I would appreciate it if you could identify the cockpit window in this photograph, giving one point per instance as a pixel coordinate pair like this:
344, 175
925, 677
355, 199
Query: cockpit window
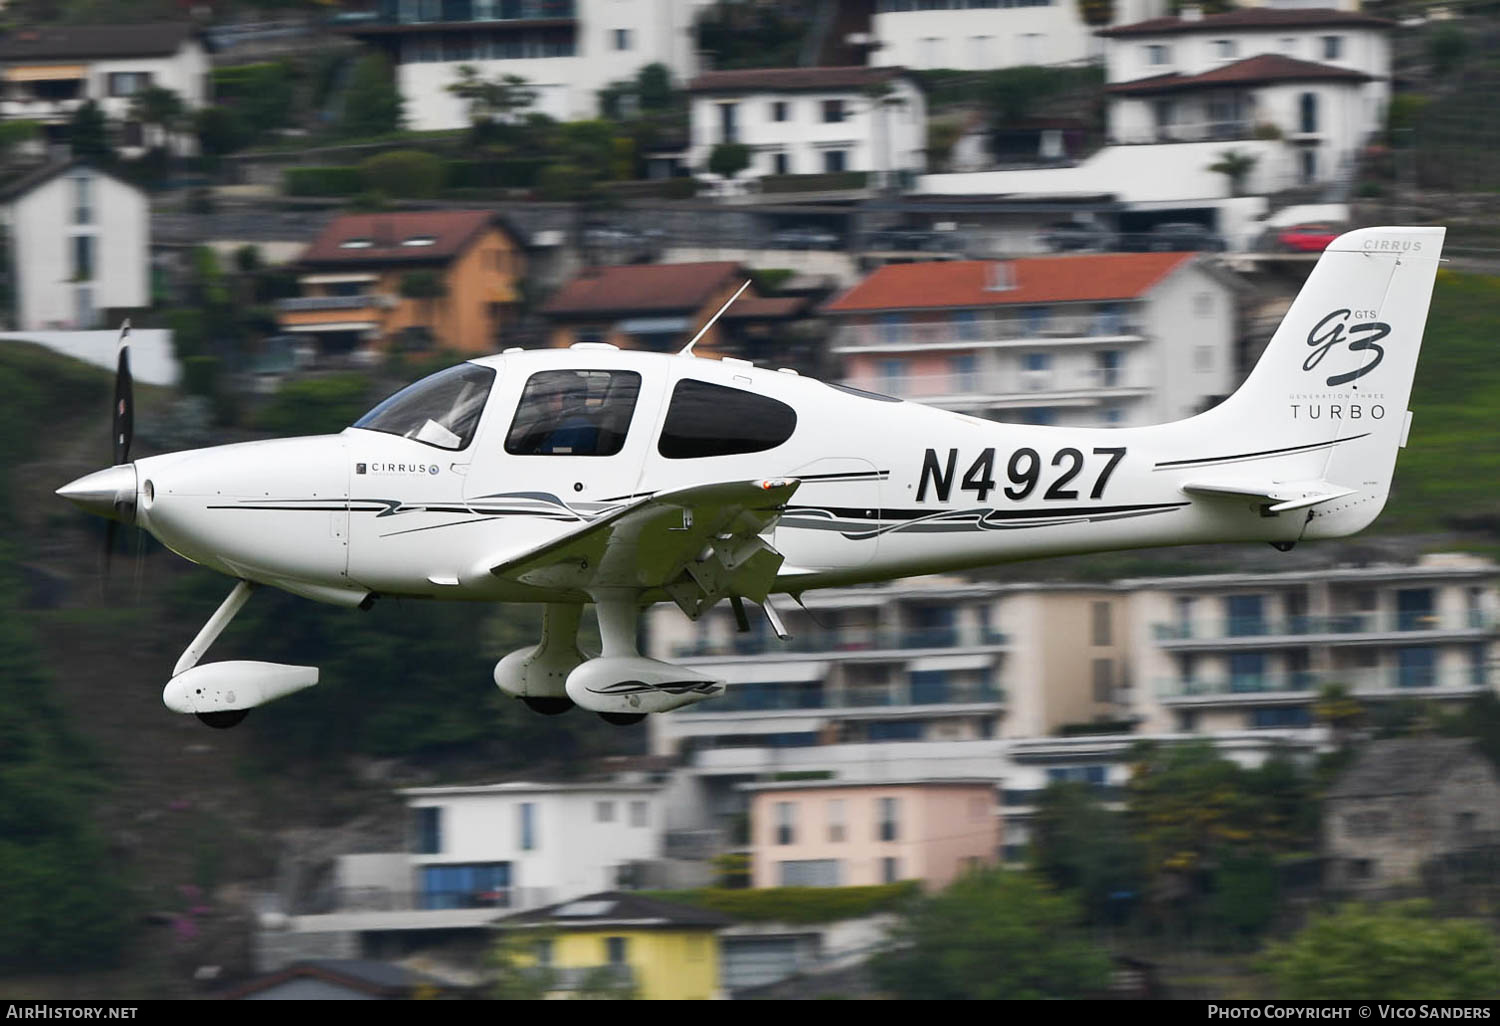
574, 413
442, 409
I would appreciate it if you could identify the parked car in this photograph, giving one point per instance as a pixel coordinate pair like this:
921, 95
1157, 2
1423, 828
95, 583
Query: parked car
1182, 235
1308, 238
1072, 236
805, 237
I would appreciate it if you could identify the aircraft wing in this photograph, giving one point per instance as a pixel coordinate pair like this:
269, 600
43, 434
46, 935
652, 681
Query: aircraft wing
699, 544
1280, 496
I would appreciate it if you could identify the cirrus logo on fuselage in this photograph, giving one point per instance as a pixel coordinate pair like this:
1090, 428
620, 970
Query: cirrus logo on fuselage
1363, 337
395, 468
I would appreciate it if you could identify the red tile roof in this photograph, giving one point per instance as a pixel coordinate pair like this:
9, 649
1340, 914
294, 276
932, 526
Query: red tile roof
787, 79
756, 308
959, 284
644, 288
450, 230
1251, 18
1267, 67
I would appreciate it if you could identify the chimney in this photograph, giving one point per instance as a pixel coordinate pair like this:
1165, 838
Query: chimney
1001, 277
1191, 12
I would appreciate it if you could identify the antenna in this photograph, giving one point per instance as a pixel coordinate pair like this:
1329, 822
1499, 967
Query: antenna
687, 350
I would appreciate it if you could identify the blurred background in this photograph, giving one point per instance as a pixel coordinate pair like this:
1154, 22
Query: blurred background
1218, 772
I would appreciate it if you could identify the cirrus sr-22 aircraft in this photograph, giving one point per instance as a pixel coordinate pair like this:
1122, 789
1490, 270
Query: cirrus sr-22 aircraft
622, 479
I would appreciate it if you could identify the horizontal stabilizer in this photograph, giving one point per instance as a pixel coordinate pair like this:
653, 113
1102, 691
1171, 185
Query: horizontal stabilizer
1280, 496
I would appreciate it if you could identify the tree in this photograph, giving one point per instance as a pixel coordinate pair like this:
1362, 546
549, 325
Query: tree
86, 134
514, 972
1446, 48
1079, 845
17, 133
372, 104
491, 101
728, 159
1394, 952
408, 174
992, 934
160, 107
1097, 13
1235, 166
221, 131
1339, 710
653, 87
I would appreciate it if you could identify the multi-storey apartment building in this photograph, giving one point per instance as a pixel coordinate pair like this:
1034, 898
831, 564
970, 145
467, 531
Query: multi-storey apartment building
1238, 651
811, 120
1099, 339
567, 50
1318, 78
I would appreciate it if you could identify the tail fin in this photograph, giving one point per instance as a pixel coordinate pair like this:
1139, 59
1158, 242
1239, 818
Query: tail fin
1327, 402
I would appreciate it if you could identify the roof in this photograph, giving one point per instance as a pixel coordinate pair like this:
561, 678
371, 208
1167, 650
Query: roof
961, 284
450, 230
618, 909
1251, 18
792, 79
1403, 766
643, 288
379, 979
1258, 70
152, 39
43, 174
748, 308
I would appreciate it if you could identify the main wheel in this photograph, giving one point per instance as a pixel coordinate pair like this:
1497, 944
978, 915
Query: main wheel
225, 719
622, 719
548, 706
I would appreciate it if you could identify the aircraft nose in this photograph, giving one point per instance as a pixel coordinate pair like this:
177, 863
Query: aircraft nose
105, 493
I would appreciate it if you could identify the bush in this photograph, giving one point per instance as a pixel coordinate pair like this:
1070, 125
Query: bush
322, 181
315, 406
407, 174
814, 183
797, 904
510, 173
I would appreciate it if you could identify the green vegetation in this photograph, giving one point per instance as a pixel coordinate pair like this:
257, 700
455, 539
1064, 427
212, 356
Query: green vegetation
322, 181
372, 103
1394, 952
992, 935
1445, 476
728, 159
404, 174
753, 35
795, 904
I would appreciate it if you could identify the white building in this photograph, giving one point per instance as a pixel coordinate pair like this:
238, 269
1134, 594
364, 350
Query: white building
79, 244
1317, 78
1107, 339
567, 50
50, 71
811, 120
981, 35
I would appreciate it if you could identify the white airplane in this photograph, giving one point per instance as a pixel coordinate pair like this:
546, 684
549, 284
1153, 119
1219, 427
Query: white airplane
622, 479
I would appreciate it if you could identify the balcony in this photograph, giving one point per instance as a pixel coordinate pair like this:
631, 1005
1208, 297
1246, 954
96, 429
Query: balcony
1258, 632
454, 12
362, 301
1019, 388
845, 639
985, 332
1195, 131
384, 899
1375, 682
32, 109
849, 701
593, 977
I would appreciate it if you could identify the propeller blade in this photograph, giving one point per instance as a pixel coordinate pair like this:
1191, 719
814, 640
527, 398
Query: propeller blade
124, 410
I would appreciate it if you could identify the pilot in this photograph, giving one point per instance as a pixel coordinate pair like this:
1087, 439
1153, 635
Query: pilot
573, 432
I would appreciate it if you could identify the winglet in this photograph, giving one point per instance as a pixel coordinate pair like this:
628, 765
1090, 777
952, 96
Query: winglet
687, 350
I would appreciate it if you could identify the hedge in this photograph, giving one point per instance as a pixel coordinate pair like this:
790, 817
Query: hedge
512, 173
796, 904
322, 181
814, 183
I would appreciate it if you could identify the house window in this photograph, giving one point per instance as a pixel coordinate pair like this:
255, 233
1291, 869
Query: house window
621, 39
1107, 363
528, 826
1036, 318
84, 314
964, 370
639, 814
890, 870
835, 161
1307, 107
780, 110
833, 111
1361, 869
83, 200
780, 165
616, 950
1416, 667
1223, 49
1333, 48
810, 873
1037, 363
604, 812
1101, 620
1246, 614
729, 130
1309, 158
543, 952
1104, 680
888, 828
836, 821
1158, 54
128, 83
83, 258
1247, 672
1273, 716
427, 830
786, 822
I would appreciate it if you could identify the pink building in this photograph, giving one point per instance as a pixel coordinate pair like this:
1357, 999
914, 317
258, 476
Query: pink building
829, 834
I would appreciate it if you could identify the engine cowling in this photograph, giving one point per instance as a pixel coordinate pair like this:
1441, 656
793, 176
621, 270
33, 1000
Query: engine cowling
630, 685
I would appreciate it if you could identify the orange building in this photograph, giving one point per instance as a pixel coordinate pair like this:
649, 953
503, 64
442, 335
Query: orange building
446, 279
858, 833
659, 307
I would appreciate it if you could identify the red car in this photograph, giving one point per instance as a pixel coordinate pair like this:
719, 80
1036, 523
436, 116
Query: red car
1309, 238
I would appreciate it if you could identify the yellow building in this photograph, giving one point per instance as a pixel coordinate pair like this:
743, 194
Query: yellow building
655, 949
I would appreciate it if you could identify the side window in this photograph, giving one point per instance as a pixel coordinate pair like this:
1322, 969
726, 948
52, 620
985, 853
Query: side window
712, 420
573, 413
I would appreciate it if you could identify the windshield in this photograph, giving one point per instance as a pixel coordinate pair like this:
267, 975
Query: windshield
441, 410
